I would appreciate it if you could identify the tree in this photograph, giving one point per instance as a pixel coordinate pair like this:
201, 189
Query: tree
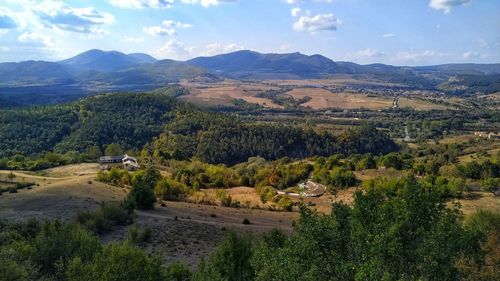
95, 152
148, 177
490, 184
406, 234
392, 160
230, 262
141, 196
113, 149
178, 272
367, 162
168, 189
117, 262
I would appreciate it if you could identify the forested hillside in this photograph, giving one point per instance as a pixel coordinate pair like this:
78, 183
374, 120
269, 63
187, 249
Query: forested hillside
174, 130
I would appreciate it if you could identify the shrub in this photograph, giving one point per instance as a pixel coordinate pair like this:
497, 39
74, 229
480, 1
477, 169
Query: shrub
138, 237
224, 198
168, 189
107, 216
267, 193
178, 272
285, 202
141, 196
117, 262
490, 184
231, 261
57, 243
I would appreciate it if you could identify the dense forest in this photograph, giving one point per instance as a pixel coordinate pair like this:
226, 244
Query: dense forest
164, 127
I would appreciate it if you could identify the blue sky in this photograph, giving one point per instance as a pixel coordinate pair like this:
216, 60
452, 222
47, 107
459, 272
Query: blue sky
400, 32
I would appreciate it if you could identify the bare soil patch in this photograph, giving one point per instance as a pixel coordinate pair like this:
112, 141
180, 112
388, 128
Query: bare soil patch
475, 201
56, 197
225, 92
420, 104
323, 99
370, 174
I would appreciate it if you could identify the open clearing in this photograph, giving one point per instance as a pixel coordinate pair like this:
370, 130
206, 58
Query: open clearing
479, 201
323, 99
181, 231
222, 93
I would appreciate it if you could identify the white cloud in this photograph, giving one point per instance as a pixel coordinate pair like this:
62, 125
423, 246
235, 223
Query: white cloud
141, 4
171, 23
218, 48
471, 55
388, 35
446, 5
369, 53
208, 3
286, 47
314, 24
295, 12
57, 14
298, 1
133, 39
168, 27
159, 31
164, 4
413, 56
7, 19
36, 39
174, 49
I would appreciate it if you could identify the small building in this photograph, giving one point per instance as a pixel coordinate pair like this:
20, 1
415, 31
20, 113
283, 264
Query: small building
123, 161
110, 160
130, 163
487, 135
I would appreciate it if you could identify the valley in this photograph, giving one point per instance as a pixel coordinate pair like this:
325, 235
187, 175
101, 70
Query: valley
224, 152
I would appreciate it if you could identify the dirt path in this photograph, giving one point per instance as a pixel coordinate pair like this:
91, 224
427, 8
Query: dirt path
185, 231
56, 197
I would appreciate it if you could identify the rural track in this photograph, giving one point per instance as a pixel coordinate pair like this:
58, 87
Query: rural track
222, 222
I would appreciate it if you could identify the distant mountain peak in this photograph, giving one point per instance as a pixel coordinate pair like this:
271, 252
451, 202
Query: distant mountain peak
143, 57
106, 61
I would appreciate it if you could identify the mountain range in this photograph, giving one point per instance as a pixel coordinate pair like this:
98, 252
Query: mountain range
98, 71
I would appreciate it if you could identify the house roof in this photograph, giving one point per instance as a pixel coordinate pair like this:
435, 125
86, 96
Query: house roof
110, 158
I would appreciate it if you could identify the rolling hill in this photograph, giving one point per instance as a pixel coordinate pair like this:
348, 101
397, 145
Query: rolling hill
102, 71
102, 61
249, 64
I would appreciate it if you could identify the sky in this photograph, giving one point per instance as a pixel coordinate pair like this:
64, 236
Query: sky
398, 32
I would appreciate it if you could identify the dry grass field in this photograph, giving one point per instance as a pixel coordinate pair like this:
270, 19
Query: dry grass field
60, 194
324, 99
249, 198
479, 201
420, 104
222, 93
378, 173
335, 80
181, 231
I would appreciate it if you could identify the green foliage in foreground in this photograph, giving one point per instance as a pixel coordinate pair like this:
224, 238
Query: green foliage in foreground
405, 233
110, 214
